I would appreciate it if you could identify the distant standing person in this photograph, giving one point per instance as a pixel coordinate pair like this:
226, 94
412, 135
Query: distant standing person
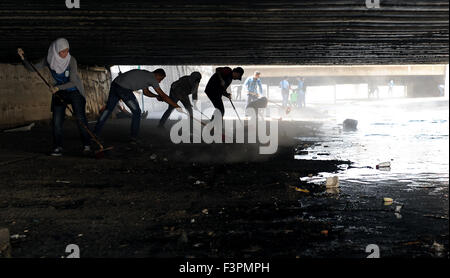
372, 90
301, 98
218, 84
285, 87
122, 88
391, 87
253, 86
68, 89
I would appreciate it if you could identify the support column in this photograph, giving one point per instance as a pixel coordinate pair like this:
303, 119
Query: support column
446, 82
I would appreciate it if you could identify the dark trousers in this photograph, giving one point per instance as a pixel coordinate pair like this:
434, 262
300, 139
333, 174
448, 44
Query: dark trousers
251, 98
59, 105
177, 95
117, 93
301, 101
216, 99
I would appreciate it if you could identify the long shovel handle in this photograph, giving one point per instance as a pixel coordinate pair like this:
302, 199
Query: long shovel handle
38, 73
232, 104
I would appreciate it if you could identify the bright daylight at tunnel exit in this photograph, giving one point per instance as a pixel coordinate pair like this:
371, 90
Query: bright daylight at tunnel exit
224, 137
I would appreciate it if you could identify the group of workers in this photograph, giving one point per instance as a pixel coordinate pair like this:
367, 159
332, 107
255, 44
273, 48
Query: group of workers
298, 96
68, 89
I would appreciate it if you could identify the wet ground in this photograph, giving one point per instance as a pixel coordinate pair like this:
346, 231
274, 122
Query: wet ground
198, 200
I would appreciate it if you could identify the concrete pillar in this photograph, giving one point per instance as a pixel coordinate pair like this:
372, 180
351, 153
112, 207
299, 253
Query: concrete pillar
446, 82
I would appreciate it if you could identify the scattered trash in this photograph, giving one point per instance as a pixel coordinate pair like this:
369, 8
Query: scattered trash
301, 190
199, 182
153, 156
438, 247
350, 125
205, 211
192, 220
384, 165
388, 201
411, 243
80, 235
17, 236
436, 216
398, 208
65, 182
398, 215
165, 159
253, 249
332, 182
22, 128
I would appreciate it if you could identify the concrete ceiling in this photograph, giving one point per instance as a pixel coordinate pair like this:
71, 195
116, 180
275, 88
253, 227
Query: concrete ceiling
108, 32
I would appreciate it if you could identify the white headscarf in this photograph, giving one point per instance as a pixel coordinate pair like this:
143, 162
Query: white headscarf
58, 64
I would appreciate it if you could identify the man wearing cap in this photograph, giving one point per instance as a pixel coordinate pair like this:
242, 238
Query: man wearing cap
218, 84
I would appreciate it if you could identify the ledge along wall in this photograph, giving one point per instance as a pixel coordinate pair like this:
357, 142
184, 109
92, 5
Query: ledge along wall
24, 98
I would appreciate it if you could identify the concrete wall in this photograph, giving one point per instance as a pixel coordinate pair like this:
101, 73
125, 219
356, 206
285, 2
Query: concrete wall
24, 98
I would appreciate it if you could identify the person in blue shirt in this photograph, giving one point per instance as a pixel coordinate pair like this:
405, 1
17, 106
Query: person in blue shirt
301, 99
285, 87
68, 89
391, 87
254, 87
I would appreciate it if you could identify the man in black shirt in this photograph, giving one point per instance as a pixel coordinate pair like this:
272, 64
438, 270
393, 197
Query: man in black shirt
218, 84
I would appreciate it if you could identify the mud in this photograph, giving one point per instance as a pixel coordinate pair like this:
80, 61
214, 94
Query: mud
196, 201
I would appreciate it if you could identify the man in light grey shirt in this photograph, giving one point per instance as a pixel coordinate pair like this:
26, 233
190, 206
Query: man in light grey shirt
122, 88
139, 79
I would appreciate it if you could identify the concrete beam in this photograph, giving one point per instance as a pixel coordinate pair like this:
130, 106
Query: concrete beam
330, 71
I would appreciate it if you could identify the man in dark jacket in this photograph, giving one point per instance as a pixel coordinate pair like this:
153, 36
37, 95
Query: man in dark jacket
218, 84
180, 91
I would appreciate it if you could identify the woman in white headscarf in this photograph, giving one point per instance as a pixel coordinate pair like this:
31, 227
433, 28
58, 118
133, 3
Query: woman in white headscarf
68, 86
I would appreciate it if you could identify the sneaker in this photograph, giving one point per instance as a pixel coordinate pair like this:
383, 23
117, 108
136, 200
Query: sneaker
57, 152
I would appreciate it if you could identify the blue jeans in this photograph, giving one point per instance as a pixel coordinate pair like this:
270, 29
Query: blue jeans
78, 103
117, 93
